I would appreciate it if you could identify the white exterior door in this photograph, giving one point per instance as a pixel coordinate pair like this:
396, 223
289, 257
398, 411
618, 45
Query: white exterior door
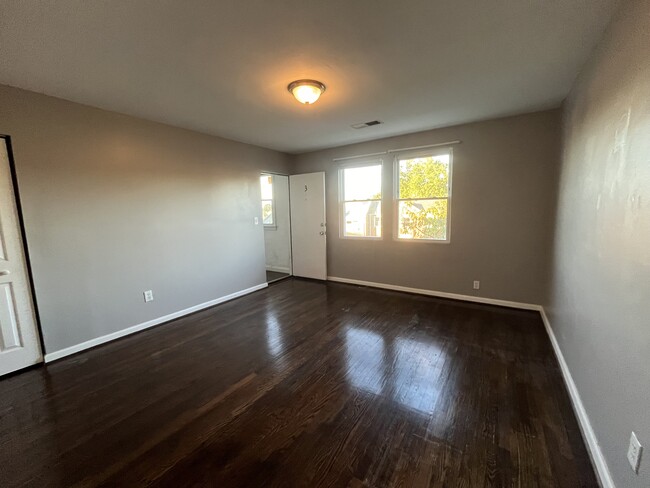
19, 342
308, 227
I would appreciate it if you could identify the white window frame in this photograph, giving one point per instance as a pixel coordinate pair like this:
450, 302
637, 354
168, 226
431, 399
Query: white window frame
342, 201
274, 225
396, 196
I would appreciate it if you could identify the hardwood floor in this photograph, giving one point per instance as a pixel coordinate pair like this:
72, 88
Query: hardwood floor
272, 276
303, 384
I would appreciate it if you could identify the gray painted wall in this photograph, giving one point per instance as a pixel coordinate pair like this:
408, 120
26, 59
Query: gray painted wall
115, 205
504, 179
600, 303
277, 241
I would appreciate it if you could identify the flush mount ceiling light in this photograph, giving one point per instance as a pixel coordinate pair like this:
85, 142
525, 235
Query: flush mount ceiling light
306, 91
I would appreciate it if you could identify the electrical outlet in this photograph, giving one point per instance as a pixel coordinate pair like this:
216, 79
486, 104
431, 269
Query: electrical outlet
634, 452
256, 221
477, 285
148, 296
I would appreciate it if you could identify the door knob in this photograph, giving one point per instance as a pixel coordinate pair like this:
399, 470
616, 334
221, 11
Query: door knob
322, 233
4, 272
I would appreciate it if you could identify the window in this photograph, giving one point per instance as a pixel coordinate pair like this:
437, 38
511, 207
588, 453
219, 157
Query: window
360, 196
268, 210
423, 195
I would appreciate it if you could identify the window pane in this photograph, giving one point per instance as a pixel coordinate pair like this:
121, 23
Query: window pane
267, 187
425, 177
423, 219
362, 219
363, 183
267, 212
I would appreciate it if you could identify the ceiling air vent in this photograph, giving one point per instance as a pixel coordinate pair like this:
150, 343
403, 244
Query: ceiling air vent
363, 125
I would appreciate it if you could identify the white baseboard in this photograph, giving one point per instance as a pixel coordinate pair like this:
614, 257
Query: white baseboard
278, 269
588, 434
145, 325
442, 294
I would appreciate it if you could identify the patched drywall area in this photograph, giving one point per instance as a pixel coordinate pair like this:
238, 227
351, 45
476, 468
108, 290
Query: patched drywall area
600, 288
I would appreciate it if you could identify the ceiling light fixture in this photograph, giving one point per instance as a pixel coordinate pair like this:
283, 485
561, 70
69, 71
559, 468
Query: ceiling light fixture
306, 91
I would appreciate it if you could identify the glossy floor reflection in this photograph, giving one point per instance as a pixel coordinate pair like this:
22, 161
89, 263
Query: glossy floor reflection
303, 384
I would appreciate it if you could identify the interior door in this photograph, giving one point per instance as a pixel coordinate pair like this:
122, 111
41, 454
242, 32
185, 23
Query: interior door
19, 342
308, 226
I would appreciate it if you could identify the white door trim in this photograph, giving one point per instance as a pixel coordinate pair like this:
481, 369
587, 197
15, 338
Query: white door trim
20, 341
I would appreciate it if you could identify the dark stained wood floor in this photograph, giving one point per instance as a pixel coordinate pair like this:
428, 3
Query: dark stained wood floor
272, 276
303, 384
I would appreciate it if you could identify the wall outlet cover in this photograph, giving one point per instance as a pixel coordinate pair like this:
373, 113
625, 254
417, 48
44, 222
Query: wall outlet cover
477, 285
148, 296
634, 452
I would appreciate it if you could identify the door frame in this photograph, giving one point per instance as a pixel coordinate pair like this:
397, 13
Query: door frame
277, 173
28, 262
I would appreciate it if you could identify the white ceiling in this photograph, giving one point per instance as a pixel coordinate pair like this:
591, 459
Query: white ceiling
222, 66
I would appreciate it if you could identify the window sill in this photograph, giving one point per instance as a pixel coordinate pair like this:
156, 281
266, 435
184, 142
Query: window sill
427, 241
355, 238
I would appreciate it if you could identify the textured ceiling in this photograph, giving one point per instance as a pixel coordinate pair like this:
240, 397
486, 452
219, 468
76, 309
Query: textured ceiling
222, 67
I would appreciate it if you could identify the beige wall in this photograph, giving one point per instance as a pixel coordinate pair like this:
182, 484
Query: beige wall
115, 205
600, 304
504, 178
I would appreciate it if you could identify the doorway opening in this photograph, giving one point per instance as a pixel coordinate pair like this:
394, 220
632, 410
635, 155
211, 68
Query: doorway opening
276, 219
